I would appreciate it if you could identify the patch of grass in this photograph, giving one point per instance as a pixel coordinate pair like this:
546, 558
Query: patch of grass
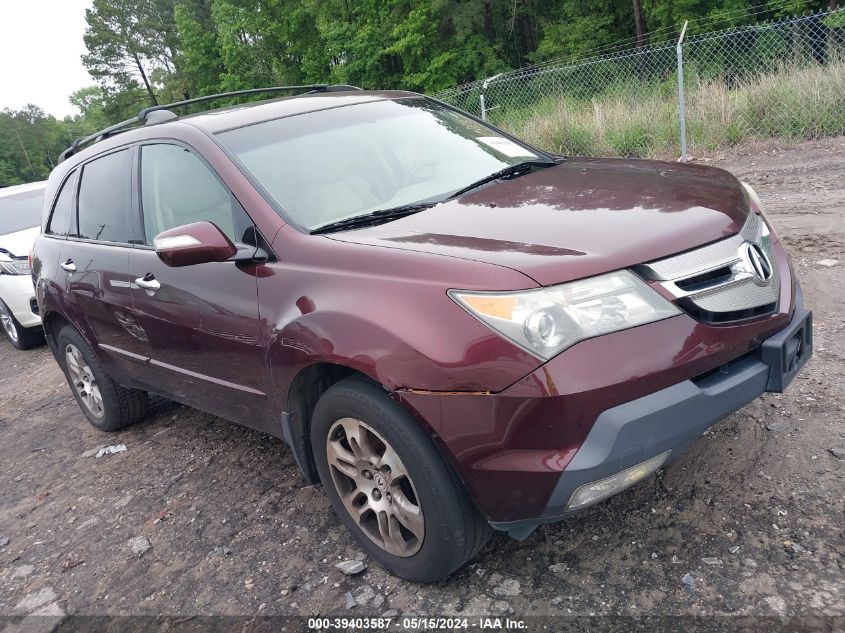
637, 120
573, 140
631, 140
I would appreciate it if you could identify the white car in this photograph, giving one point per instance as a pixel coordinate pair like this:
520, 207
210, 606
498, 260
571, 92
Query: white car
20, 223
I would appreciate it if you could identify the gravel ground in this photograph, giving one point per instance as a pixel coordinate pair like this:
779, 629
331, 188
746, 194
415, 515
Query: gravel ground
199, 516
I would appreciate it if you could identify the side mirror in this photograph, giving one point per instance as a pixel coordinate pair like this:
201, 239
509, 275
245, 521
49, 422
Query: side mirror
196, 243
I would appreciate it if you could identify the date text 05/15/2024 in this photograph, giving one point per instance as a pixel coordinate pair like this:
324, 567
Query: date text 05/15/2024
416, 623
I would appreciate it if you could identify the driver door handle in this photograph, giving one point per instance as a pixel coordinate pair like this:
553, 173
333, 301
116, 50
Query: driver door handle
69, 266
148, 282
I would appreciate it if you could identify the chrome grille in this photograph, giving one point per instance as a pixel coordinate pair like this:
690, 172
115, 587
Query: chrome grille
739, 296
715, 283
708, 257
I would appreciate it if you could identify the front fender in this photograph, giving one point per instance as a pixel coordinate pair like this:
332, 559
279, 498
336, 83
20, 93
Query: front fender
371, 348
385, 313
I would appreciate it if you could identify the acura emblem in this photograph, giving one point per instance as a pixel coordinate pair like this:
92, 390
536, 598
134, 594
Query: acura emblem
756, 262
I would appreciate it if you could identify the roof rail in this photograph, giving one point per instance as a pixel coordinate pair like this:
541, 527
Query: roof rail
147, 116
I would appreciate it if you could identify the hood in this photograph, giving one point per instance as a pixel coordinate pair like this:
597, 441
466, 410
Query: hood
581, 218
18, 244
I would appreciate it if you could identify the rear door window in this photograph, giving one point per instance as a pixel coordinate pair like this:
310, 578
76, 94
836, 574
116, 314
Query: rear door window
60, 218
104, 198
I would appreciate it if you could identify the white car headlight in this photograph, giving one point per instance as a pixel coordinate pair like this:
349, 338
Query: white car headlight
14, 267
752, 194
768, 234
545, 321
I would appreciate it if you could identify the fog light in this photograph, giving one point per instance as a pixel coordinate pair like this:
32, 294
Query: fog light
602, 489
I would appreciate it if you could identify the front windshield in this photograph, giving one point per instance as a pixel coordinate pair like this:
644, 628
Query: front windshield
334, 164
20, 211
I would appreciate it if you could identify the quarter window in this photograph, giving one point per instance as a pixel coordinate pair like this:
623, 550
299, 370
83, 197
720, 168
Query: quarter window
104, 198
177, 188
62, 211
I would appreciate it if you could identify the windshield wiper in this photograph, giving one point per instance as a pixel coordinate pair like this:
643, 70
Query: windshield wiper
511, 171
373, 217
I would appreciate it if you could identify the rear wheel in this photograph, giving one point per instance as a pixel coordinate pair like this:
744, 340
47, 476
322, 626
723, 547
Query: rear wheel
390, 486
107, 405
19, 336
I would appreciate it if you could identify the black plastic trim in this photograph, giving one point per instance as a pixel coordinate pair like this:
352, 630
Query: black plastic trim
294, 435
789, 350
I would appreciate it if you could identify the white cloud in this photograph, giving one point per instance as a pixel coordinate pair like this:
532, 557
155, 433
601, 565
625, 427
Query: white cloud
40, 48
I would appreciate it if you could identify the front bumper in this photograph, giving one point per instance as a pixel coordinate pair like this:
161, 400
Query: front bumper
670, 419
608, 403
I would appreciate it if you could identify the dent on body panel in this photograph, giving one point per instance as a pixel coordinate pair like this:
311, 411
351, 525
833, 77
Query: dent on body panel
298, 340
384, 312
197, 324
386, 356
45, 268
400, 334
98, 291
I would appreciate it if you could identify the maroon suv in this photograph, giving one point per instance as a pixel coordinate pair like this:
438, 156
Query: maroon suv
451, 329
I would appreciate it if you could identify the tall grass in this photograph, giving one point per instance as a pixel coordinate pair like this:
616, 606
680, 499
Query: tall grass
791, 103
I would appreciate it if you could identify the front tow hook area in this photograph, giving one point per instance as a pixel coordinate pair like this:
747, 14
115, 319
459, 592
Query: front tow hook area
789, 350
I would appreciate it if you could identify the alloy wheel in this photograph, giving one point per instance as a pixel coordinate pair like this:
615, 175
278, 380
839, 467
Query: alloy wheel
375, 487
83, 380
8, 324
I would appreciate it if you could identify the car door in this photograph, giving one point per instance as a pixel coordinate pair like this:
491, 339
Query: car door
199, 324
94, 259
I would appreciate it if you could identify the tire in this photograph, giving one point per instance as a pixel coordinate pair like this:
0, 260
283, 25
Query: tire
20, 337
117, 407
451, 527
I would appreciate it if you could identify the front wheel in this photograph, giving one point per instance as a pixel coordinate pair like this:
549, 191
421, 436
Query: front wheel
390, 486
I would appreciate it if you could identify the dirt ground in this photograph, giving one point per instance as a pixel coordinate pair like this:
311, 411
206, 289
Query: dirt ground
753, 517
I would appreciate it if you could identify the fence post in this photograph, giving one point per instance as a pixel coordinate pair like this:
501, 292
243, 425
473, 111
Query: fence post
682, 104
481, 100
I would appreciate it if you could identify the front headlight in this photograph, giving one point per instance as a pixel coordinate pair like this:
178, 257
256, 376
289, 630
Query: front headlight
15, 267
769, 234
752, 194
545, 321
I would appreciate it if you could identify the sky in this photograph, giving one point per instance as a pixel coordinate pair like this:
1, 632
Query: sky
40, 46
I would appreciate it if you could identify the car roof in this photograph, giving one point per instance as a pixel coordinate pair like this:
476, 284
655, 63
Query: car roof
226, 118
30, 186
231, 117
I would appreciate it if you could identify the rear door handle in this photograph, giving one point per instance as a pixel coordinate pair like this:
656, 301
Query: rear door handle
148, 282
69, 266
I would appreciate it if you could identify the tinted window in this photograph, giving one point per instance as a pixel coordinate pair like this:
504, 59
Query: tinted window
104, 197
62, 210
20, 211
177, 188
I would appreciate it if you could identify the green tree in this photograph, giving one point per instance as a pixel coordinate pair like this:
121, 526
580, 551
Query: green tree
30, 142
127, 40
199, 53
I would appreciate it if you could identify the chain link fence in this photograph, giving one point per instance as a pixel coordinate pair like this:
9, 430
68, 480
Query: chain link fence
783, 79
